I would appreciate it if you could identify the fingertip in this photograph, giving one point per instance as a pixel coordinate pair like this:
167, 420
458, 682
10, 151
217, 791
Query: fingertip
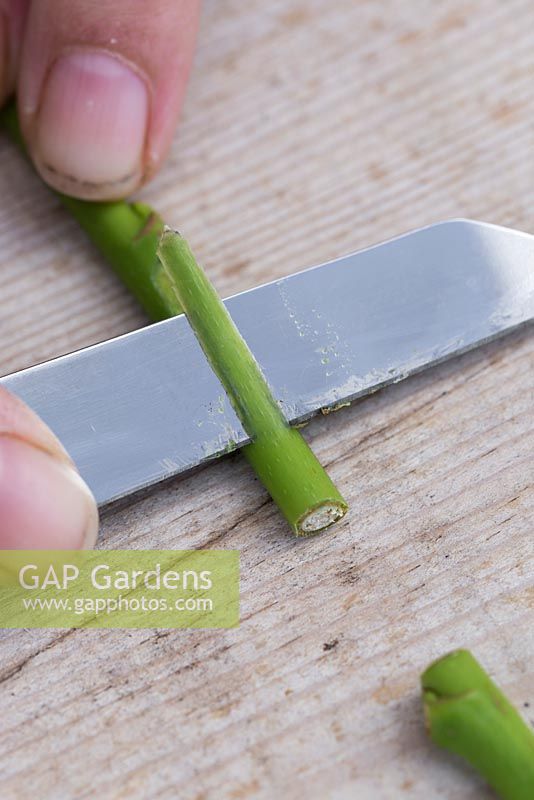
44, 503
99, 98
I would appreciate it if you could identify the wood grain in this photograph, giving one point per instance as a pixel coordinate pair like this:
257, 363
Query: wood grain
311, 129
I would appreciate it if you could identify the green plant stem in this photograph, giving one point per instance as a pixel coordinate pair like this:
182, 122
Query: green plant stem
127, 234
467, 713
283, 461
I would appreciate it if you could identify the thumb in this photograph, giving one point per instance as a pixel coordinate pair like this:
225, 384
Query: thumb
44, 503
100, 88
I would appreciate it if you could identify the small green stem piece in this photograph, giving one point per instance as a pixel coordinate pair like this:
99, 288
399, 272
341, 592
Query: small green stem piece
467, 713
283, 461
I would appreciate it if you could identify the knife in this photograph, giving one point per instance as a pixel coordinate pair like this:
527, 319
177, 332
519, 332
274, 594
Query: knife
143, 407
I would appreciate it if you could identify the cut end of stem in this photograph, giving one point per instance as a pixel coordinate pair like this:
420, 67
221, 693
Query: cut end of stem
466, 713
167, 233
453, 675
320, 518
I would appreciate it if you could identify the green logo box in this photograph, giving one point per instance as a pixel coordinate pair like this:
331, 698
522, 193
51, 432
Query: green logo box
119, 588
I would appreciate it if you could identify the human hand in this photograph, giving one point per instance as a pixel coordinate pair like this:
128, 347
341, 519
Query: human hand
99, 88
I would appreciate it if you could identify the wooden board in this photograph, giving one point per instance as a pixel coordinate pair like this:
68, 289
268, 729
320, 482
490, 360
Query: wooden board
311, 129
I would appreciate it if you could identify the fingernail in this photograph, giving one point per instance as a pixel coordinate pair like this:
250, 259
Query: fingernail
91, 126
44, 504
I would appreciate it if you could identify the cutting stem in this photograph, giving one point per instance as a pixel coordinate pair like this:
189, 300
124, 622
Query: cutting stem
283, 461
128, 234
466, 713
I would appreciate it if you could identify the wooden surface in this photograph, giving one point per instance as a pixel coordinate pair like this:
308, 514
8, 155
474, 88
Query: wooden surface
311, 129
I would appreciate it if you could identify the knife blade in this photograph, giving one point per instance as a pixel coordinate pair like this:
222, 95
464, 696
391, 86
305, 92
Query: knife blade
145, 406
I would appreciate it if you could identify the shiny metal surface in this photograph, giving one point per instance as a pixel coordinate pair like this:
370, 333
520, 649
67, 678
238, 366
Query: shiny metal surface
145, 406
